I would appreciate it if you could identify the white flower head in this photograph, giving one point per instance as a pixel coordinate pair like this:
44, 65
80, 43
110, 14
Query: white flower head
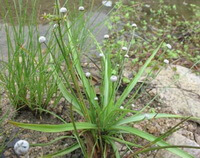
81, 8
96, 98
113, 78
124, 48
147, 5
169, 46
166, 61
101, 55
121, 107
21, 147
87, 74
133, 105
134, 25
126, 56
42, 39
107, 3
117, 65
63, 10
106, 36
55, 26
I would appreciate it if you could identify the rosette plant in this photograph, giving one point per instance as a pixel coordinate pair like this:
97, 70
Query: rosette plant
104, 122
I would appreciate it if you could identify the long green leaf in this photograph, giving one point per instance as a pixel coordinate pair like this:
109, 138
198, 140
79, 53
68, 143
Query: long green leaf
55, 128
63, 152
115, 149
68, 96
151, 138
135, 79
89, 90
149, 116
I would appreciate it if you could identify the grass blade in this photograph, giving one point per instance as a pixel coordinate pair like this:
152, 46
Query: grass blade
151, 138
135, 79
55, 128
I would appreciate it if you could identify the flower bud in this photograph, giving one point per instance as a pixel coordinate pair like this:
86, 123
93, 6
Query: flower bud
124, 48
106, 36
113, 78
166, 61
101, 55
63, 10
87, 74
134, 25
169, 46
126, 56
81, 8
42, 39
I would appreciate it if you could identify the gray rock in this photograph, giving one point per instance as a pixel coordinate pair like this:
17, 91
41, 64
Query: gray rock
178, 139
179, 89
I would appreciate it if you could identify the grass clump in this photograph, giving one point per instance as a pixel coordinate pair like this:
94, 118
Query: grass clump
26, 77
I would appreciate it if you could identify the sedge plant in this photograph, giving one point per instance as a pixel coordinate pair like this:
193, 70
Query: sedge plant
104, 117
25, 76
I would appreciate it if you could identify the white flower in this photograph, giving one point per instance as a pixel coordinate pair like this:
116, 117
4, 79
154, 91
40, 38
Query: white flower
133, 105
134, 25
21, 147
147, 5
81, 8
101, 55
117, 65
42, 39
166, 61
184, 3
121, 107
124, 48
169, 46
87, 74
107, 3
96, 98
63, 10
106, 36
113, 78
126, 56
55, 26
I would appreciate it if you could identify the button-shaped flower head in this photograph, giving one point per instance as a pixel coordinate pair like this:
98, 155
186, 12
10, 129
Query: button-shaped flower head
42, 39
21, 147
169, 46
106, 36
126, 56
87, 74
124, 48
63, 10
81, 8
134, 25
113, 78
166, 61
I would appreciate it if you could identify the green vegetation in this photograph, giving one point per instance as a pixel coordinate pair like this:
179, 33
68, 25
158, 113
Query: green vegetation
154, 24
39, 71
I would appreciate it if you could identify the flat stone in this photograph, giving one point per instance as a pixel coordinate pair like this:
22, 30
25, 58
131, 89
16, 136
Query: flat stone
179, 89
178, 139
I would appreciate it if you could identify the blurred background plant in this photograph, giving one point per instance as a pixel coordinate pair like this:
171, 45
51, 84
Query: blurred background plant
155, 22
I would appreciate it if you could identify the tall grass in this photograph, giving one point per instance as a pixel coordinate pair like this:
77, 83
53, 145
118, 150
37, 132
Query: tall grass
26, 77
